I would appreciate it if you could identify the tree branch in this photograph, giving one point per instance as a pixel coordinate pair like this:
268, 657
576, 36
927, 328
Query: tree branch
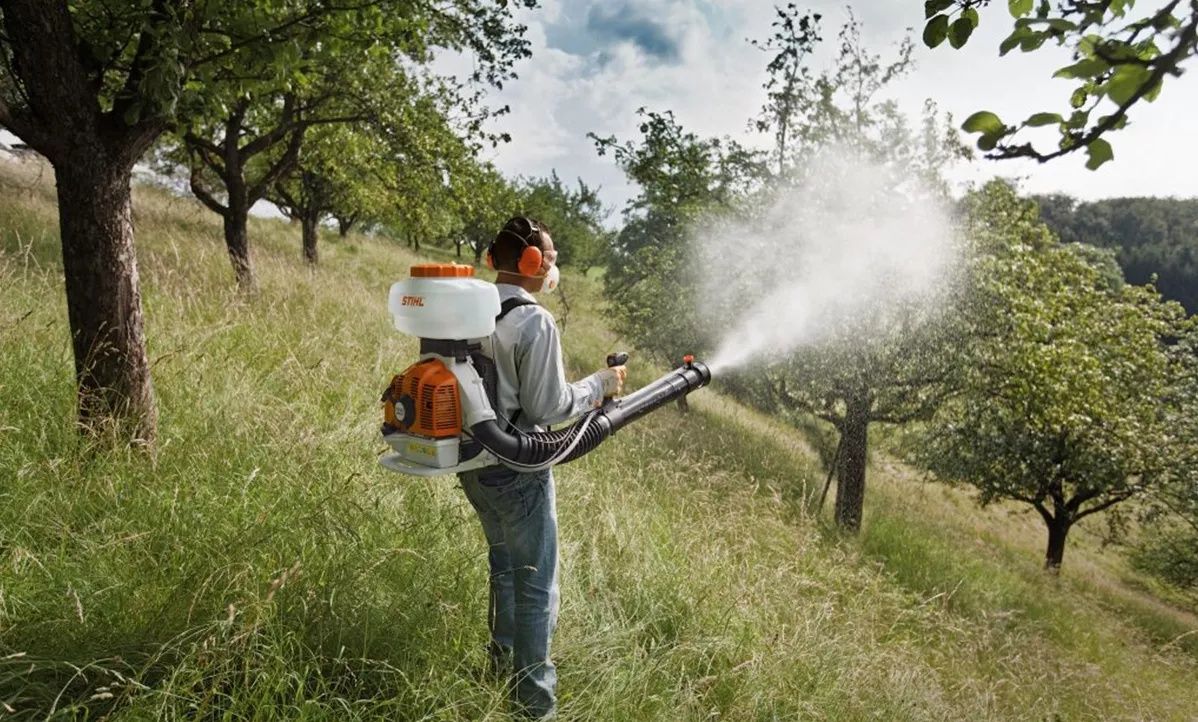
1163, 65
286, 202
279, 169
200, 192
147, 46
26, 131
201, 143
1104, 505
274, 33
896, 418
287, 123
208, 153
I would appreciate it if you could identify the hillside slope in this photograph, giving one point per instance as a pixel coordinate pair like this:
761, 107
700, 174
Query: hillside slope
261, 565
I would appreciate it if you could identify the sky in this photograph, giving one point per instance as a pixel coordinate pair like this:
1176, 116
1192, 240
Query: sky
595, 62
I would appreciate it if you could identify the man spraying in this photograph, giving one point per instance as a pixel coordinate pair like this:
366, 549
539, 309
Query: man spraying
517, 510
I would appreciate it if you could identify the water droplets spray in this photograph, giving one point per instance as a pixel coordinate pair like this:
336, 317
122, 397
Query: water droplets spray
848, 246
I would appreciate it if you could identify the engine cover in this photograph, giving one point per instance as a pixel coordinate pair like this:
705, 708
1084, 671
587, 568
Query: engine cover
423, 401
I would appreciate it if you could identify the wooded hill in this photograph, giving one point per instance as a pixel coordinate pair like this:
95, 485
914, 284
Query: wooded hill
1151, 237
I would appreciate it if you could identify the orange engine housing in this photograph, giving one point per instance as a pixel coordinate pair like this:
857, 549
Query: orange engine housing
423, 400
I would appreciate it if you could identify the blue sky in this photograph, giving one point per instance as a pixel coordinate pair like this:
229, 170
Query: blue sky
595, 62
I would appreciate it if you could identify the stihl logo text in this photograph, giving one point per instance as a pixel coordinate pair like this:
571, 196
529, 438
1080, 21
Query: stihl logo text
412, 301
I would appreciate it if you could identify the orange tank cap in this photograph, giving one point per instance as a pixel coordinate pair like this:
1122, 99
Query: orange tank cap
688, 359
442, 270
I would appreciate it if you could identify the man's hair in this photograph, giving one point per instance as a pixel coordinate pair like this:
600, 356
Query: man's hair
509, 242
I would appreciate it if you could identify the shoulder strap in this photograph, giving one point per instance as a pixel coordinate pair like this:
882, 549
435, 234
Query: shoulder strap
504, 309
511, 304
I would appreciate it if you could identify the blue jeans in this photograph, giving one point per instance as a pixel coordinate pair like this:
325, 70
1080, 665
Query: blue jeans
519, 518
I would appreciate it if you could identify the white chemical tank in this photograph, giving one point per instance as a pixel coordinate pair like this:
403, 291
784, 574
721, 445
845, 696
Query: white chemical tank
444, 301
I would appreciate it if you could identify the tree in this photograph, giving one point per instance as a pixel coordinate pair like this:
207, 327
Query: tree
788, 78
1064, 398
574, 215
890, 369
890, 363
1120, 59
91, 88
307, 196
486, 201
364, 66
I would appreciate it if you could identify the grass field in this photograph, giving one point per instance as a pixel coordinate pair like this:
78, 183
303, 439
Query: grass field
261, 565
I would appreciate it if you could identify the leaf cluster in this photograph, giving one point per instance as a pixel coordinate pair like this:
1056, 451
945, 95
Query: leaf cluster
1120, 58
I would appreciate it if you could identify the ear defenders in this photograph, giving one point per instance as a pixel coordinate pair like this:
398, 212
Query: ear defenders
530, 260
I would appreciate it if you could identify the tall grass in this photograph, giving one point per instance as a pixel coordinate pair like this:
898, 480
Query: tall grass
260, 565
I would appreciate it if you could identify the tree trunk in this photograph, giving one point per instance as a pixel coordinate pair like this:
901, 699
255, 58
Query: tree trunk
343, 226
237, 241
458, 248
237, 216
850, 484
1058, 531
95, 213
311, 223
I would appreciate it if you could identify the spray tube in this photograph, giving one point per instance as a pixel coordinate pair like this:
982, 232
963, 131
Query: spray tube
537, 450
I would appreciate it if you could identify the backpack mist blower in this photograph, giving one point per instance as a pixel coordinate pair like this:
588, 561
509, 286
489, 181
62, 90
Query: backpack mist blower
439, 414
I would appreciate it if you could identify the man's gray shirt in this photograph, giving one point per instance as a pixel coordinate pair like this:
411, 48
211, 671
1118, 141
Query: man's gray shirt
527, 351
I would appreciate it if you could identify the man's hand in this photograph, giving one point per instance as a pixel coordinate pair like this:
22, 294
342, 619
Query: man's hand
613, 380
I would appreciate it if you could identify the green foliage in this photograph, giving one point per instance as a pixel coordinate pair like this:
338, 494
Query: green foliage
681, 177
574, 215
1064, 398
363, 67
1153, 238
486, 200
1169, 555
983, 122
935, 31
1168, 547
1098, 151
1119, 60
150, 58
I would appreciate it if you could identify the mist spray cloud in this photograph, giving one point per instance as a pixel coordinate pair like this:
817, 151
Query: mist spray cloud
848, 246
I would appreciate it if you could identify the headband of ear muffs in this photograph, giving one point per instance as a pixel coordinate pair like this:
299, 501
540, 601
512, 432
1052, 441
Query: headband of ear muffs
530, 258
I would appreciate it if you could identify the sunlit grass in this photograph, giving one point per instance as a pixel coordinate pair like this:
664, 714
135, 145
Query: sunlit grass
260, 565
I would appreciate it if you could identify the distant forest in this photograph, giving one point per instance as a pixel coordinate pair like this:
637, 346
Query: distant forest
1149, 236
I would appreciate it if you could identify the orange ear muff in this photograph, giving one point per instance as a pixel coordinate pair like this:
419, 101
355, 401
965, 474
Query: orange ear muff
530, 261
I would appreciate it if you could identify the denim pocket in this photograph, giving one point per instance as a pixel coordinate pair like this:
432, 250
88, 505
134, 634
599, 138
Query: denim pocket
523, 496
497, 476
